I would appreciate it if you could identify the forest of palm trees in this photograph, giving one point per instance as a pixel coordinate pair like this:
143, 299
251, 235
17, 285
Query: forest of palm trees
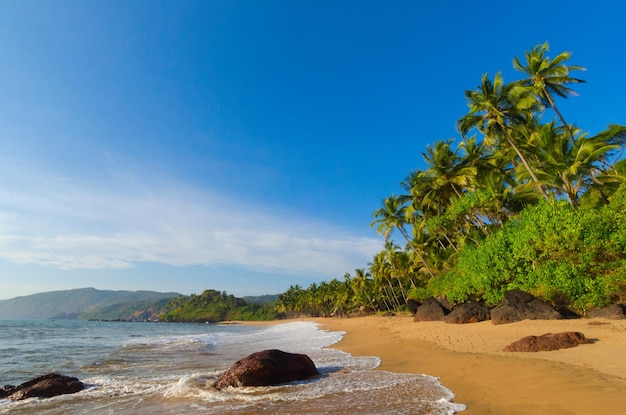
523, 199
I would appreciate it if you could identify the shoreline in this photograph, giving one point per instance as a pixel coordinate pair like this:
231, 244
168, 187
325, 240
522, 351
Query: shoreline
468, 360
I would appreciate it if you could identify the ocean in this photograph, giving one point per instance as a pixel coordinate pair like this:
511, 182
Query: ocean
168, 368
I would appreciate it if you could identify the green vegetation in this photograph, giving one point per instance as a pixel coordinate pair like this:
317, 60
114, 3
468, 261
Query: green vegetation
213, 306
518, 201
127, 311
92, 304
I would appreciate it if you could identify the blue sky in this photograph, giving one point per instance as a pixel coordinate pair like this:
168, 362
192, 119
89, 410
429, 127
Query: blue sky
243, 145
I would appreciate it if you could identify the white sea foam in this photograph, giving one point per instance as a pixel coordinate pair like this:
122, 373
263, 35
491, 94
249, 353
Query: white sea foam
345, 380
165, 369
208, 340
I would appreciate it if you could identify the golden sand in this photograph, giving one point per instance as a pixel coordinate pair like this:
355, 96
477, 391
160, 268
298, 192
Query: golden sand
468, 359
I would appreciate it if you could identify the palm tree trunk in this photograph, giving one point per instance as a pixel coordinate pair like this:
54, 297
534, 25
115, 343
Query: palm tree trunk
451, 244
402, 290
526, 165
558, 113
403, 232
395, 296
390, 297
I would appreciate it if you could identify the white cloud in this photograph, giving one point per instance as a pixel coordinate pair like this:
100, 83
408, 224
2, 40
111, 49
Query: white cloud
74, 223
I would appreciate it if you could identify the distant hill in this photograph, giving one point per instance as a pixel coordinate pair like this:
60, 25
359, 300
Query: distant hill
213, 306
81, 302
128, 311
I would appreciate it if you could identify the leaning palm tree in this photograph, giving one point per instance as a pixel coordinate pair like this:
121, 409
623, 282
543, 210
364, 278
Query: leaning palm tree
549, 77
610, 170
495, 108
380, 269
362, 286
393, 216
447, 176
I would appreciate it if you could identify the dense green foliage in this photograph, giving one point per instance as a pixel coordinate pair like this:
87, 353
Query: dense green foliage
519, 201
572, 257
213, 306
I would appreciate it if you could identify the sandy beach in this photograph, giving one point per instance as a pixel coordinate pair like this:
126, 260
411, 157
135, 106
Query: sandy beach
468, 359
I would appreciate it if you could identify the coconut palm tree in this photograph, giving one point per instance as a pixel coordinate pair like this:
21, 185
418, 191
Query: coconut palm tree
447, 176
393, 216
362, 286
549, 77
569, 168
381, 271
496, 108
399, 266
609, 169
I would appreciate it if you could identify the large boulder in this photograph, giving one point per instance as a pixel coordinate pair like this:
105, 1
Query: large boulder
519, 305
412, 305
362, 312
7, 390
471, 312
548, 342
445, 303
266, 368
45, 386
612, 312
430, 310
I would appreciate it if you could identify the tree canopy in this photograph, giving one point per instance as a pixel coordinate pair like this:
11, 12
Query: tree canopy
522, 199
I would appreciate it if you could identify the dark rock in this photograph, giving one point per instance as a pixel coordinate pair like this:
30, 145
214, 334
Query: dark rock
447, 305
612, 312
266, 368
471, 312
517, 296
430, 310
7, 390
548, 342
519, 305
412, 305
568, 314
362, 312
46, 386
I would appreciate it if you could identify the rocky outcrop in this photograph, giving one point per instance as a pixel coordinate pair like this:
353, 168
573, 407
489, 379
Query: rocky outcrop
266, 368
612, 312
471, 312
548, 342
430, 310
7, 390
519, 305
45, 386
362, 312
412, 305
445, 303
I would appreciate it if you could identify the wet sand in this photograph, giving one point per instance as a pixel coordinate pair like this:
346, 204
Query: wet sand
468, 359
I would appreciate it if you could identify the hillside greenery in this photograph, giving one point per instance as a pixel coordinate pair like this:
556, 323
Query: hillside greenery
127, 311
522, 199
213, 306
74, 303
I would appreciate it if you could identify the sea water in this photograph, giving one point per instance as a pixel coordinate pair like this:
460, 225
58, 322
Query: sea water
168, 368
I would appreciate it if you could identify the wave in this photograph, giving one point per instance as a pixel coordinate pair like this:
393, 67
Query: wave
172, 371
